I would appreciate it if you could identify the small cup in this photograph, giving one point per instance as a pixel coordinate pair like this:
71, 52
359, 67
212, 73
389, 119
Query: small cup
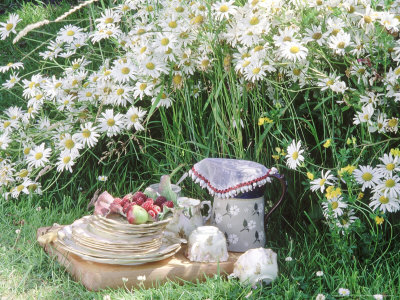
207, 244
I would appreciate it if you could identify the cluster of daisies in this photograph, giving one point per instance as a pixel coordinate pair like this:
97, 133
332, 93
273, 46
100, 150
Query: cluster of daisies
379, 186
159, 46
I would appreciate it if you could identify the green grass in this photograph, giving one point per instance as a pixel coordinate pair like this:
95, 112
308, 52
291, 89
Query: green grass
176, 138
26, 272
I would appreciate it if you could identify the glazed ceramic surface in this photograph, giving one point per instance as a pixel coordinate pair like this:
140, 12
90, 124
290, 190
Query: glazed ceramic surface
241, 221
207, 244
187, 217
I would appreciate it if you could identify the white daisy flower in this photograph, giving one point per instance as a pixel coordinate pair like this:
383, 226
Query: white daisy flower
164, 41
102, 178
11, 66
14, 113
66, 160
124, 70
38, 156
224, 9
320, 183
344, 292
12, 81
346, 219
121, 95
143, 88
390, 164
389, 186
339, 42
384, 203
111, 124
367, 176
288, 259
320, 297
134, 117
9, 26
315, 34
153, 66
69, 33
164, 101
365, 115
108, 18
4, 141
334, 206
88, 135
70, 144
294, 51
319, 273
21, 188
294, 157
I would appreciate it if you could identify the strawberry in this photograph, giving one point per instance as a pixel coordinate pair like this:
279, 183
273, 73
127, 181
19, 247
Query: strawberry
152, 214
139, 198
126, 207
148, 204
160, 200
156, 208
169, 204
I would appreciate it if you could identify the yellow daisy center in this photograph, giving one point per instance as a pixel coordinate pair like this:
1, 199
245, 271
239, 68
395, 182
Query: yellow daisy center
296, 72
69, 144
179, 9
110, 122
9, 26
20, 187
223, 8
390, 183
6, 124
245, 63
76, 66
341, 45
27, 150
367, 176
125, 70
383, 199
287, 39
134, 117
335, 204
172, 24
367, 19
164, 41
295, 155
23, 173
88, 94
177, 79
143, 86
322, 182
256, 71
317, 36
66, 159
70, 32
294, 49
120, 92
150, 66
392, 122
335, 32
390, 166
38, 155
58, 84
254, 21
108, 20
86, 133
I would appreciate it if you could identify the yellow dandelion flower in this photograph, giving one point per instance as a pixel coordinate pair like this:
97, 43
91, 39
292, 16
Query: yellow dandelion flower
328, 143
379, 220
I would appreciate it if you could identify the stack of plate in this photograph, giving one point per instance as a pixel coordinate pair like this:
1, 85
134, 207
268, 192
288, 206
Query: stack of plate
115, 241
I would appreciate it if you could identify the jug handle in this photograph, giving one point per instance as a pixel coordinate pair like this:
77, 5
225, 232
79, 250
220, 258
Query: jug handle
205, 218
283, 182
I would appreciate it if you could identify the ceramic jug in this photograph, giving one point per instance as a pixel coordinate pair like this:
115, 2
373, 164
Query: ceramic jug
243, 219
187, 217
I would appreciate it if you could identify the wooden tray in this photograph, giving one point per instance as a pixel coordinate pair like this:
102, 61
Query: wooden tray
96, 276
